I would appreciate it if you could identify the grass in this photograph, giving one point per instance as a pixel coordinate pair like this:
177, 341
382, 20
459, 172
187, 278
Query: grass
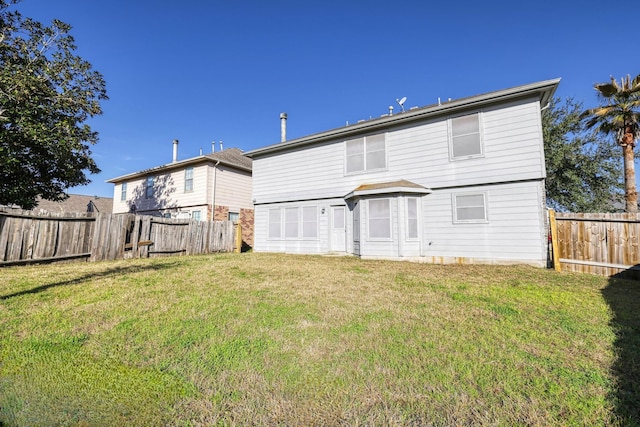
272, 339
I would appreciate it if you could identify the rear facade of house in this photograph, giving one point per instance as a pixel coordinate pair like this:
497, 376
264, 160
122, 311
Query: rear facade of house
461, 181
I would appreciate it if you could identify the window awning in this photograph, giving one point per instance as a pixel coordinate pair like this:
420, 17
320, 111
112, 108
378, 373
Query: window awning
392, 187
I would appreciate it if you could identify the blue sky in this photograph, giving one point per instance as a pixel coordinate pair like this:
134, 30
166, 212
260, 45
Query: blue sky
202, 71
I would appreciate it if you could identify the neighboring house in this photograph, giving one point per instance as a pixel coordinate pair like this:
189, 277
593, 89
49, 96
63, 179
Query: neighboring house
215, 186
75, 203
460, 181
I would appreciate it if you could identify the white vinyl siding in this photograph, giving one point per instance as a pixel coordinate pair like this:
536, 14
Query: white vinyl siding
188, 179
379, 224
412, 218
469, 207
123, 192
366, 154
515, 232
466, 138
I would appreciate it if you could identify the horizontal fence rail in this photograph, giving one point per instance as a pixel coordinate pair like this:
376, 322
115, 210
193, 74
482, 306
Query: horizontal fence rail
598, 243
27, 238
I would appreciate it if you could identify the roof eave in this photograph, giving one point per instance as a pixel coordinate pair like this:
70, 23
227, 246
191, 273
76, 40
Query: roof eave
176, 165
545, 90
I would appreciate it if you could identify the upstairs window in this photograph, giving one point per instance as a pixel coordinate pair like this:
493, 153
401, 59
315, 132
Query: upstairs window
188, 179
148, 190
366, 154
465, 141
123, 192
470, 208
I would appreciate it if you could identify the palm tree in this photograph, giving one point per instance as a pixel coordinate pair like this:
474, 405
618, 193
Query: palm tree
620, 116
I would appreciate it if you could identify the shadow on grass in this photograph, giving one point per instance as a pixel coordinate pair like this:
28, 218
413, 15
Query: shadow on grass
623, 296
95, 275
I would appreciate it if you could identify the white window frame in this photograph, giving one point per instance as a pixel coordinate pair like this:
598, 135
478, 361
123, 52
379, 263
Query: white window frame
416, 219
454, 204
188, 179
196, 215
480, 132
370, 218
123, 192
364, 154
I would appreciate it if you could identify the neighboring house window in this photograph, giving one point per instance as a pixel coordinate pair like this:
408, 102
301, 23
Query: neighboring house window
379, 219
148, 191
123, 192
234, 216
470, 207
275, 224
188, 179
466, 141
195, 215
291, 223
412, 218
309, 222
366, 154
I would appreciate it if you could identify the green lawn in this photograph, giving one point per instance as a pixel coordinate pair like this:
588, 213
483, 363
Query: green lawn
272, 339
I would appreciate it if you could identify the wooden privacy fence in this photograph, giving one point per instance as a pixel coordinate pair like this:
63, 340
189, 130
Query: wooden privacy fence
597, 243
27, 238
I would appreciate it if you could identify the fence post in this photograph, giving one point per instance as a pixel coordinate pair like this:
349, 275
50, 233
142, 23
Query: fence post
554, 239
238, 239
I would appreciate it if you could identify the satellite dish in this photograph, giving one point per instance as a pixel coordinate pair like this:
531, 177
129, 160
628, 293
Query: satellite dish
401, 102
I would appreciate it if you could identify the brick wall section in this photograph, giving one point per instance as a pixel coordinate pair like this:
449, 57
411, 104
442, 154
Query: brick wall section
246, 221
221, 213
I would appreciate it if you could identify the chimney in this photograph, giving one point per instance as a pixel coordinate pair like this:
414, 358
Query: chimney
221, 147
283, 127
213, 146
175, 150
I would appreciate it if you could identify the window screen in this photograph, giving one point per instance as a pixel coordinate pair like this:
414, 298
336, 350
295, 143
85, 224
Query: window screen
188, 179
470, 207
355, 155
379, 219
123, 192
375, 152
195, 215
412, 218
233, 216
291, 223
148, 192
465, 136
309, 222
275, 227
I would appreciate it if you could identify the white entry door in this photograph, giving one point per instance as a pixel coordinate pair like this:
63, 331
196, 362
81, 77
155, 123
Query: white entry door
338, 229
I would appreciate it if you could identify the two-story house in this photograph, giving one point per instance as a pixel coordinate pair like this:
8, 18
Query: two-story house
459, 181
214, 186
